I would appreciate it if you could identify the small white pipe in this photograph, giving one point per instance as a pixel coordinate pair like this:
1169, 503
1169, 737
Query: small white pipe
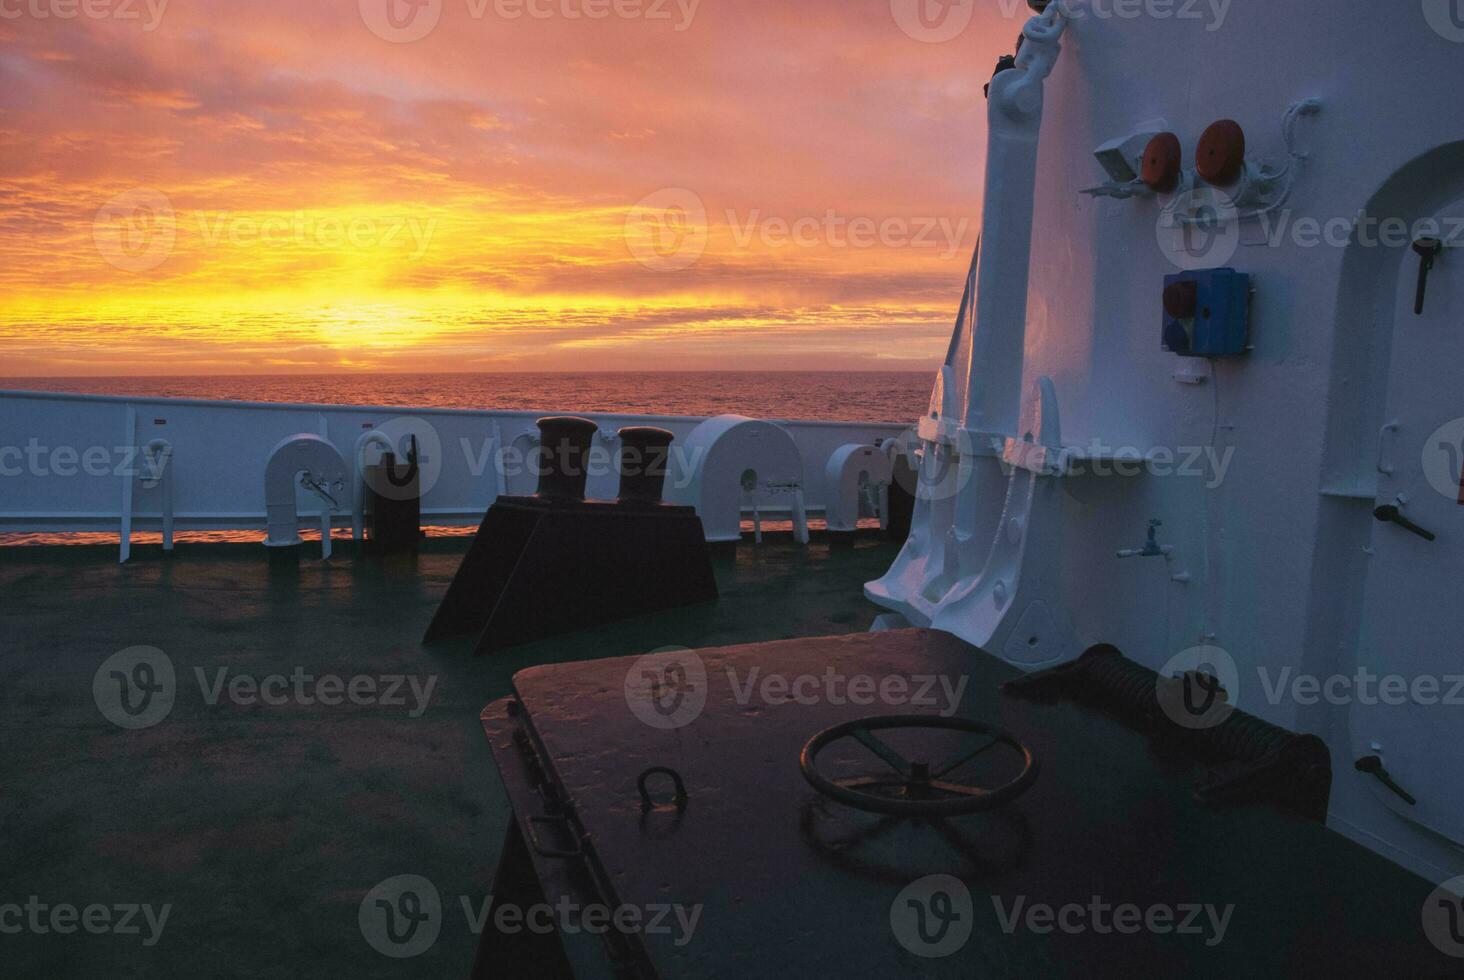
129, 438
375, 437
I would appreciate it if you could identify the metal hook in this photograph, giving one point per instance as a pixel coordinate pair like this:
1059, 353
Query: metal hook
645, 794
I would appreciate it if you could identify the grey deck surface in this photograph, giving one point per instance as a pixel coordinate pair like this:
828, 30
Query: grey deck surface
263, 827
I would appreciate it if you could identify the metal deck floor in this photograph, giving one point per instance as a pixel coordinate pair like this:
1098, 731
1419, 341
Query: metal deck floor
264, 826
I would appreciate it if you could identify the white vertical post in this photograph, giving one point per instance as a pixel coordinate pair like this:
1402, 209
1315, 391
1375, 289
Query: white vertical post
168, 509
800, 517
500, 463
129, 439
160, 460
322, 425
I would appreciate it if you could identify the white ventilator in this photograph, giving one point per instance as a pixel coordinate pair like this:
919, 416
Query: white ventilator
312, 464
732, 464
857, 483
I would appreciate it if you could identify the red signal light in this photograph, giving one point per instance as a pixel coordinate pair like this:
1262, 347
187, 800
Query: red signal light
1163, 159
1220, 155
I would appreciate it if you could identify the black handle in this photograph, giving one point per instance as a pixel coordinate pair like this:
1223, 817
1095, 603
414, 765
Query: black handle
1427, 249
1389, 513
1373, 765
645, 793
388, 462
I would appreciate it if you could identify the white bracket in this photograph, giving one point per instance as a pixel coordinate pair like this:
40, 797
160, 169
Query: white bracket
155, 472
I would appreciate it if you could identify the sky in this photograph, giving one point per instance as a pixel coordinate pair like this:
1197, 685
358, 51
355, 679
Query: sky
304, 186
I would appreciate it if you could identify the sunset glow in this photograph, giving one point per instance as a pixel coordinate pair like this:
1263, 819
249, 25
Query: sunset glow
208, 187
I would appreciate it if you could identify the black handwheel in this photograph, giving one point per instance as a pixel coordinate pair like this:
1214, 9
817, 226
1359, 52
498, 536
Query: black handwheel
919, 789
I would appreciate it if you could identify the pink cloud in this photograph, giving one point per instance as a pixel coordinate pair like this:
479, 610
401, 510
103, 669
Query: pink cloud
548, 128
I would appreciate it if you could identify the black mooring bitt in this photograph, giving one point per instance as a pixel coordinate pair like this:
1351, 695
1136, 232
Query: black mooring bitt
393, 505
564, 449
644, 455
553, 563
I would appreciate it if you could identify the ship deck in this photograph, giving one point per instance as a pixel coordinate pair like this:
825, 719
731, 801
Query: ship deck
263, 826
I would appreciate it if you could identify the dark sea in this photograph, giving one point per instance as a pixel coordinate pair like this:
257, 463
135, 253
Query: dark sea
841, 396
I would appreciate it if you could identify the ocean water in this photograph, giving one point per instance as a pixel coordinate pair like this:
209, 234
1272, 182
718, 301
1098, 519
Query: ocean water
865, 396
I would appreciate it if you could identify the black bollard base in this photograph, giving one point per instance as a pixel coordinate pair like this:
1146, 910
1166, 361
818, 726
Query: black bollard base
539, 568
393, 508
285, 558
902, 500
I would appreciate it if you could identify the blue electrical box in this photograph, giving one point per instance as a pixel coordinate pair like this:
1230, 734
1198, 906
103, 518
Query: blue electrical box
1207, 313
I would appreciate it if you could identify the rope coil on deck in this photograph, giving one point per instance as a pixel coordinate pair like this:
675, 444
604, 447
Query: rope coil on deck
1250, 756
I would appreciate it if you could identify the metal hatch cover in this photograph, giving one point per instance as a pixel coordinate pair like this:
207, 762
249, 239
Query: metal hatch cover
791, 883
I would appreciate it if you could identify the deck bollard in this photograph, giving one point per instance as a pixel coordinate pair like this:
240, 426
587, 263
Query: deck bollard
644, 454
555, 562
564, 447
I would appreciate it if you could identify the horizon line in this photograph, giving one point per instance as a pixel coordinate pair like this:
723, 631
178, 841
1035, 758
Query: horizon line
382, 374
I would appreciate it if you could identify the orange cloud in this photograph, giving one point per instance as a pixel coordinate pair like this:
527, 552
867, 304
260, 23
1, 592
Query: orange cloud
275, 186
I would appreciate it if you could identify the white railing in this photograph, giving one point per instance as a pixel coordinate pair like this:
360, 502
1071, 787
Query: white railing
72, 462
